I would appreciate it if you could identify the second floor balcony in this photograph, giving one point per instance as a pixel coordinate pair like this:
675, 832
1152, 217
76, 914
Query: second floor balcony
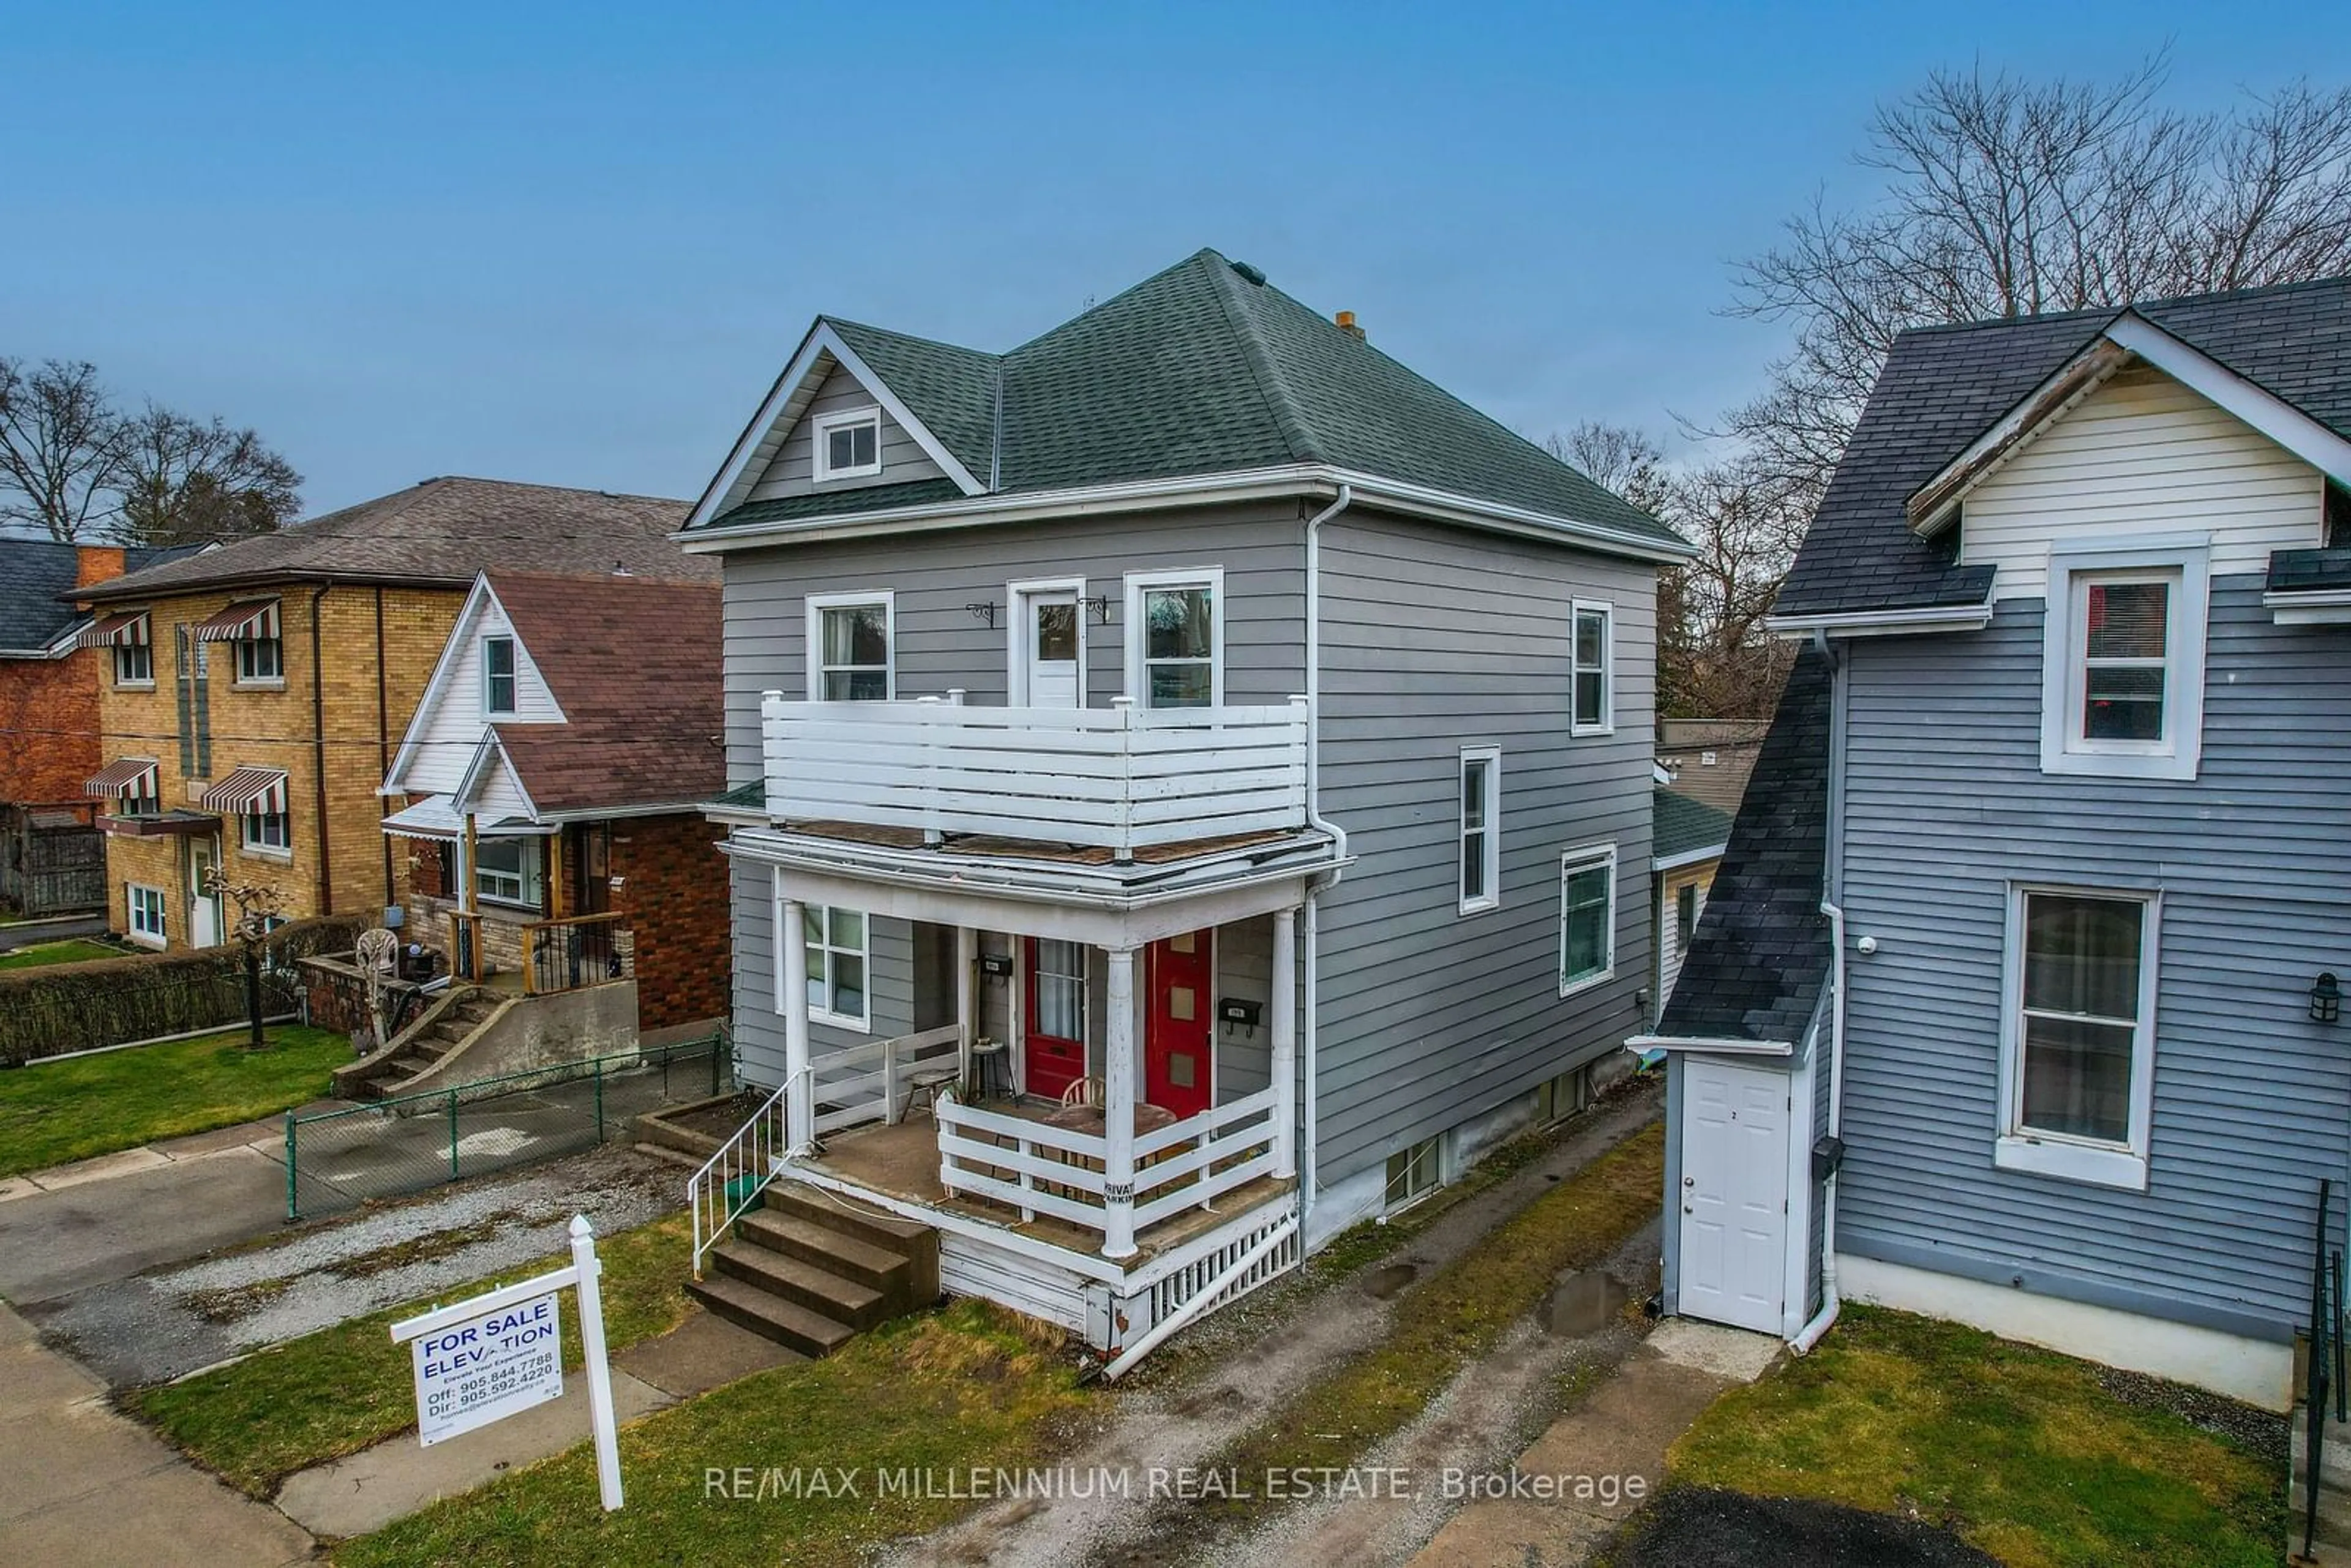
1123, 778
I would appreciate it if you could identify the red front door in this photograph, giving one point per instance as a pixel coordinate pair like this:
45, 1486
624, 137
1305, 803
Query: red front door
1054, 1044
1177, 1036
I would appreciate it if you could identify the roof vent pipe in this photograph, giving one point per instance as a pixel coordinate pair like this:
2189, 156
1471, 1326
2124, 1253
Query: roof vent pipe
1347, 325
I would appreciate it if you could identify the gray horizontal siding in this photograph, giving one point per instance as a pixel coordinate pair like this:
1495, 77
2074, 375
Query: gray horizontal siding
942, 644
792, 471
760, 1028
1945, 804
1433, 640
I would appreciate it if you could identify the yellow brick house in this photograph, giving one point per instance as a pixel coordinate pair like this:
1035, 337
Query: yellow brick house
264, 686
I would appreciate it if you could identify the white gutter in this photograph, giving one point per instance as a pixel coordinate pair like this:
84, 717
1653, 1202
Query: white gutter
1689, 857
1917, 621
1310, 1037
1717, 1045
1833, 879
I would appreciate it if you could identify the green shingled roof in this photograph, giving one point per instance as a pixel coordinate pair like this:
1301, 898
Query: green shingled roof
1678, 824
1206, 369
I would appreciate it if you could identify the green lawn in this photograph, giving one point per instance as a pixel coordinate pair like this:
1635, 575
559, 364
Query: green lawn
936, 1394
337, 1391
2022, 1452
73, 950
53, 1112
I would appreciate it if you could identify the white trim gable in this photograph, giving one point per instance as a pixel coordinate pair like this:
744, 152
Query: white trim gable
491, 788
456, 680
788, 401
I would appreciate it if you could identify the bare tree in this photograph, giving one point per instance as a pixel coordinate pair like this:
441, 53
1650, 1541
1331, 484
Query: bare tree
2005, 197
1626, 460
185, 482
60, 448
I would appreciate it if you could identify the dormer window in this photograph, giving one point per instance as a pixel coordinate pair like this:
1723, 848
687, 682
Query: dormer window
849, 445
498, 676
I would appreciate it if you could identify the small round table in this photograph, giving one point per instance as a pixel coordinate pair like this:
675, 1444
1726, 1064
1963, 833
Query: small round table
991, 1070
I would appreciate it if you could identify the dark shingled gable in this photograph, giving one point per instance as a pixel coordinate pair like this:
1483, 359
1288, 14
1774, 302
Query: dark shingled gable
1761, 954
1205, 369
37, 587
1678, 824
1944, 386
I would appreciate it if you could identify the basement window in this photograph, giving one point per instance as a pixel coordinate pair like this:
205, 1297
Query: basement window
1413, 1173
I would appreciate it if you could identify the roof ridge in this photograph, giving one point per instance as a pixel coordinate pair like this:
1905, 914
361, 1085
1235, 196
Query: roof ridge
838, 321
1100, 305
1288, 414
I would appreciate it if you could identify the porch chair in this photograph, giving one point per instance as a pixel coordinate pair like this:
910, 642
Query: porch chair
1082, 1091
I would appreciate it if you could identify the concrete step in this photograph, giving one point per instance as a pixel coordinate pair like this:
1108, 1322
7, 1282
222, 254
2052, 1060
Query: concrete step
667, 1155
916, 1243
876, 1268
771, 1317
818, 1289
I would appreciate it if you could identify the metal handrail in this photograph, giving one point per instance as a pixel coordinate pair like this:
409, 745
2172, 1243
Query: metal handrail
749, 1159
2324, 1370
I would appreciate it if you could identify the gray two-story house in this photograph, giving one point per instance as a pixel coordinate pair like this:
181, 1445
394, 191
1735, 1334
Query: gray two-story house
2016, 1000
1192, 792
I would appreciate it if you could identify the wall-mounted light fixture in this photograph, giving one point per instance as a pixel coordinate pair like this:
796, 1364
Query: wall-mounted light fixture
2325, 998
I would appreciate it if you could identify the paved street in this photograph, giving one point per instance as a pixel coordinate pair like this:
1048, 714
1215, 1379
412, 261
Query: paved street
86, 1485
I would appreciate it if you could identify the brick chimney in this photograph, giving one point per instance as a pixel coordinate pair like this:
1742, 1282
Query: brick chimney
95, 564
1347, 325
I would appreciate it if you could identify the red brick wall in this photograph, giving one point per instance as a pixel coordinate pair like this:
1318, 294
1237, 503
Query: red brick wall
674, 886
49, 710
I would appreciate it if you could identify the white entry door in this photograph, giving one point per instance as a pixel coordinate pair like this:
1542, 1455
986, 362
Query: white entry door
1734, 1194
1048, 669
204, 910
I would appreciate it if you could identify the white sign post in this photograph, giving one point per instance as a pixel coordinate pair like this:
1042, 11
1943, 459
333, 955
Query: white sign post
482, 1360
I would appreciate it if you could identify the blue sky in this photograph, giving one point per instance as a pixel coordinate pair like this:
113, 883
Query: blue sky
574, 244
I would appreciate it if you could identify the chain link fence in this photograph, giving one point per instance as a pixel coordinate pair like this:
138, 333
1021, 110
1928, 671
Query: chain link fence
338, 1159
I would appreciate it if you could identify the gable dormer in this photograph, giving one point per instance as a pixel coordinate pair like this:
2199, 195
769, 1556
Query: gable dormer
843, 439
486, 675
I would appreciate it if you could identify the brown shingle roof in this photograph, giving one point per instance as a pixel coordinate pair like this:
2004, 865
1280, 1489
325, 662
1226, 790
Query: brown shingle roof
443, 532
634, 664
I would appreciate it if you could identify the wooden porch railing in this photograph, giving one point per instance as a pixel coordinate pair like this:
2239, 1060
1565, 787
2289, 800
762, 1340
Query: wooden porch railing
868, 1082
574, 953
465, 946
1058, 1171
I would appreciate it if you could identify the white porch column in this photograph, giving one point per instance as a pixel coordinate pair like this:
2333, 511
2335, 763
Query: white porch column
966, 1001
799, 1096
1283, 1005
1118, 1109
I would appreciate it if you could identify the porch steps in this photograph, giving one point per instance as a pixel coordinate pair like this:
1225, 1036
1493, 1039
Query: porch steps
422, 1048
809, 1271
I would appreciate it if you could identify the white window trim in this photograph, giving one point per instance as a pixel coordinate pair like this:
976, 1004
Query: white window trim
130, 932
818, 1015
818, 603
2180, 753
147, 684
1491, 755
2088, 1160
248, 845
1211, 578
820, 431
1577, 610
514, 673
1016, 596
239, 678
1583, 858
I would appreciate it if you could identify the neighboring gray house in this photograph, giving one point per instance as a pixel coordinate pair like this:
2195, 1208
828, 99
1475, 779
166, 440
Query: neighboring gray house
1239, 731
2058, 794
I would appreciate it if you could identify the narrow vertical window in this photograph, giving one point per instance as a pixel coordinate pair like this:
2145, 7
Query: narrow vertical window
1587, 917
851, 653
837, 962
2125, 624
1685, 914
1593, 674
1179, 650
497, 674
1481, 829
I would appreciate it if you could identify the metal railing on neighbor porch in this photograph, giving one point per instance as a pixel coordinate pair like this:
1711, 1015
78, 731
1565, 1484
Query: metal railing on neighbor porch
336, 1159
2324, 1371
571, 954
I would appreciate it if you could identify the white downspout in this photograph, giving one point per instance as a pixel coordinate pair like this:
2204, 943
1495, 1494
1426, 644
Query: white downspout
1833, 879
1308, 1166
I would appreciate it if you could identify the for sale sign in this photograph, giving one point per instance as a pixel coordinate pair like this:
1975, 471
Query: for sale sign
484, 1369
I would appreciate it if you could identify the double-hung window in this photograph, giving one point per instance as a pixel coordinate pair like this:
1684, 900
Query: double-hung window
2123, 649
1175, 638
266, 832
145, 906
509, 871
2078, 1049
1593, 677
1587, 917
134, 664
260, 661
498, 676
1481, 829
847, 444
851, 647
836, 940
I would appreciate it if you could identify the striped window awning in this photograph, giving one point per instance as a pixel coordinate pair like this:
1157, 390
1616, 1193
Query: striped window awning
127, 629
248, 791
131, 779
252, 621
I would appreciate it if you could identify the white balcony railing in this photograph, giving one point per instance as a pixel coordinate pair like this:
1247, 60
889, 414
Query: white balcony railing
1120, 778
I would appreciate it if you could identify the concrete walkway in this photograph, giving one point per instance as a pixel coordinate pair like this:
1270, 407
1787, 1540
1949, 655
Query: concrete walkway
397, 1476
1590, 1459
86, 1485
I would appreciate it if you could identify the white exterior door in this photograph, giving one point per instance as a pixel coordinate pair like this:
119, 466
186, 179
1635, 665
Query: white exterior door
1047, 671
1734, 1194
204, 910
